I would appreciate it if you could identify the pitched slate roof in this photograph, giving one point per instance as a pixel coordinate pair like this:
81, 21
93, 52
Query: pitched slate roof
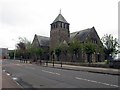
60, 18
43, 41
83, 34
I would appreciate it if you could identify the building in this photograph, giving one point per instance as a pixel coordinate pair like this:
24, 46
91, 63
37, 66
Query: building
42, 42
3, 53
60, 33
90, 35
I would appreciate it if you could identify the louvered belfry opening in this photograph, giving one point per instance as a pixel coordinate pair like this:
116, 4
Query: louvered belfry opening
59, 31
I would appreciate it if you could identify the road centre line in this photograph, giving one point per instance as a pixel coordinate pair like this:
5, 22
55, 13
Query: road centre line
97, 82
51, 72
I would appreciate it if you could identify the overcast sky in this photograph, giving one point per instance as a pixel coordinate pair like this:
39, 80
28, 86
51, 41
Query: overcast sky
25, 18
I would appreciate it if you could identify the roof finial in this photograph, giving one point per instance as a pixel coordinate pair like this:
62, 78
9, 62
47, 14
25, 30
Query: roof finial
60, 11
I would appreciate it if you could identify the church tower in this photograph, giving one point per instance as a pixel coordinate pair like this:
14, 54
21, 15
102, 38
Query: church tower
59, 31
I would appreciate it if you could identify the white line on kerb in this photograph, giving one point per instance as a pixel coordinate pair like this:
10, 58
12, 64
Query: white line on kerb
50, 72
97, 82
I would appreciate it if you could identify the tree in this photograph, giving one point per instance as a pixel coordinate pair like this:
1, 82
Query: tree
75, 47
23, 48
89, 48
58, 52
64, 49
110, 46
39, 52
11, 54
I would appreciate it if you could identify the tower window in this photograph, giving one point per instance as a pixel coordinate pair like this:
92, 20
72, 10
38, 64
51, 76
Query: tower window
56, 25
67, 26
64, 25
51, 26
61, 24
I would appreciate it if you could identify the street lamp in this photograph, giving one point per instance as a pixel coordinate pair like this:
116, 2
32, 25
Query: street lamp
98, 56
14, 53
53, 58
14, 50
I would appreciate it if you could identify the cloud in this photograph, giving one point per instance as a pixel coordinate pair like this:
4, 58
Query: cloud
28, 17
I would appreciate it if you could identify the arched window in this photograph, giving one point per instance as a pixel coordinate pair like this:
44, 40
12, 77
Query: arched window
61, 24
54, 25
67, 26
64, 25
51, 26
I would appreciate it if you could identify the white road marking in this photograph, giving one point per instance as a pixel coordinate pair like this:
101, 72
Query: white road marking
14, 78
51, 72
57, 73
97, 82
4, 70
18, 64
8, 74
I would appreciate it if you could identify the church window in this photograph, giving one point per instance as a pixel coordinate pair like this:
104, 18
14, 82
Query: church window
64, 25
52, 26
67, 26
61, 24
56, 25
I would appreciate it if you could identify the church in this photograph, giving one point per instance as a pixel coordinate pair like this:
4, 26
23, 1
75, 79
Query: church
60, 33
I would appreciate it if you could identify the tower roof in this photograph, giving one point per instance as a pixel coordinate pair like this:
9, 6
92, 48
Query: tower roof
60, 18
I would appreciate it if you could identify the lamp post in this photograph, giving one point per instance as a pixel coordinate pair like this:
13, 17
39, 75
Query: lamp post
98, 57
14, 53
110, 57
53, 58
14, 50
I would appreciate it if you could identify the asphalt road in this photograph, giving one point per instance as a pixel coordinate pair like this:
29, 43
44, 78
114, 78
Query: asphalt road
34, 76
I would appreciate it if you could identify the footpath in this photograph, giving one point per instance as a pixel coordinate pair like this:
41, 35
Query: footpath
110, 71
8, 83
85, 68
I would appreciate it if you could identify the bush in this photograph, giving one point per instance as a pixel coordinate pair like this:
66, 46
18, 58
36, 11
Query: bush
106, 61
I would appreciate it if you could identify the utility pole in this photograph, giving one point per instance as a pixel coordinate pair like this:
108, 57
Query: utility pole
14, 53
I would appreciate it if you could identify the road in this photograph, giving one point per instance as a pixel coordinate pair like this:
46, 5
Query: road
35, 76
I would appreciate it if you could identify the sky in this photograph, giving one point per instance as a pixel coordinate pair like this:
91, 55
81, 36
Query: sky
25, 18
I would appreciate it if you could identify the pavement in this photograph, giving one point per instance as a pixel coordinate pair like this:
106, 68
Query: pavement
110, 71
7, 82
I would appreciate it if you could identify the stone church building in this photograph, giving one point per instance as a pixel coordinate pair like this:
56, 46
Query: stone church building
60, 32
